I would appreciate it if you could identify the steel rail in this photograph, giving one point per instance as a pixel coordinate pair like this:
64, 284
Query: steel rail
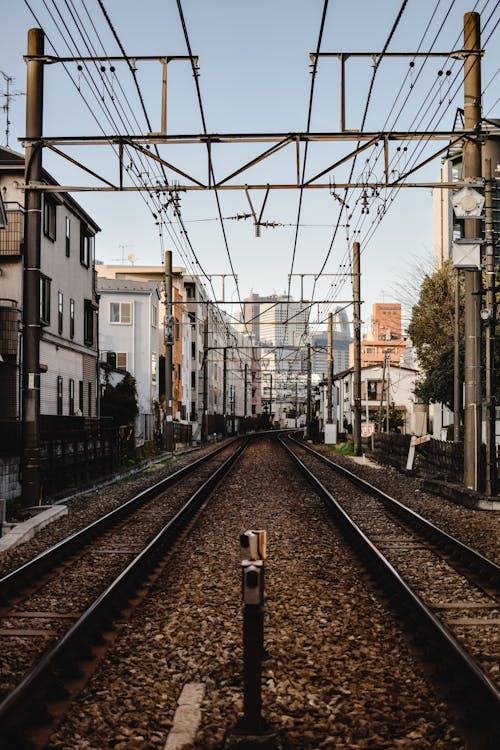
48, 675
488, 568
31, 570
482, 695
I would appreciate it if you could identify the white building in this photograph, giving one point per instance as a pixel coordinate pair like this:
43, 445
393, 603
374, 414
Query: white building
378, 388
129, 341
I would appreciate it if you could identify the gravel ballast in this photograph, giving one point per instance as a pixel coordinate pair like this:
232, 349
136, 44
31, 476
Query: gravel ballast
339, 675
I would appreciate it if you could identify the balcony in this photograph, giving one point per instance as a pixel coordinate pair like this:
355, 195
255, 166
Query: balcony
12, 237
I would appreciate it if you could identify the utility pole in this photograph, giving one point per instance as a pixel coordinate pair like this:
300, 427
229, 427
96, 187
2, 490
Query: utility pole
308, 406
457, 380
490, 334
271, 398
245, 389
388, 392
381, 408
296, 404
224, 391
30, 468
169, 347
204, 423
472, 229
356, 286
329, 400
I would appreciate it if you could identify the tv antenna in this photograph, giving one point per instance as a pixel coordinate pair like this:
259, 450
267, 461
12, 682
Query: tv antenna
122, 259
8, 95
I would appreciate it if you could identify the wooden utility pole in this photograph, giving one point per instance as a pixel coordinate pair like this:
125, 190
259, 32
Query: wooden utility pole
356, 286
30, 466
169, 348
472, 170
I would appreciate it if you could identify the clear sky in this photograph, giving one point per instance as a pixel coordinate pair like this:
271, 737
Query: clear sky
255, 77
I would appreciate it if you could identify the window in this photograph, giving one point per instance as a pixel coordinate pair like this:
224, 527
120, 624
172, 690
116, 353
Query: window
193, 379
59, 395
72, 318
177, 329
68, 236
88, 323
49, 218
80, 395
71, 397
154, 318
372, 390
44, 300
86, 246
189, 287
193, 349
120, 312
89, 395
60, 309
121, 360
117, 360
154, 367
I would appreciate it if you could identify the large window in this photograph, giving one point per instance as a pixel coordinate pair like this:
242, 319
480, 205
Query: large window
49, 218
44, 300
154, 367
60, 311
120, 312
372, 390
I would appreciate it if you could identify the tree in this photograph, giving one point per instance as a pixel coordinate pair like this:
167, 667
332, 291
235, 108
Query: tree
120, 401
433, 318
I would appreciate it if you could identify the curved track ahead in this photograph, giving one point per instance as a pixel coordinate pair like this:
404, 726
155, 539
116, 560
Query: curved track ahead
430, 577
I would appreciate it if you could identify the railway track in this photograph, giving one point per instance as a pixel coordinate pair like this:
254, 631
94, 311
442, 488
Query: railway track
62, 605
450, 592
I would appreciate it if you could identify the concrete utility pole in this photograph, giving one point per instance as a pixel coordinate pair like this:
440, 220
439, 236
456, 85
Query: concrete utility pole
329, 400
30, 468
490, 334
472, 169
224, 391
204, 421
245, 389
457, 380
169, 348
356, 286
308, 405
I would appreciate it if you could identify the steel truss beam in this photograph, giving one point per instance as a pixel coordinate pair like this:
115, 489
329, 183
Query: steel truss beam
279, 141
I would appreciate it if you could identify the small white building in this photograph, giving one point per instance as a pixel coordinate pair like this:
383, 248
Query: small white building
129, 341
394, 385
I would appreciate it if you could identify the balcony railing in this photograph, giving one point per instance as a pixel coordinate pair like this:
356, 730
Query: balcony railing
12, 237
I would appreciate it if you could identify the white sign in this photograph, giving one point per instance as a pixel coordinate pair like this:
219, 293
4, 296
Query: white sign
367, 429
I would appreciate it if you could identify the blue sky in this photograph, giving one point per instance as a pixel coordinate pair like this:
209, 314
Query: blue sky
255, 77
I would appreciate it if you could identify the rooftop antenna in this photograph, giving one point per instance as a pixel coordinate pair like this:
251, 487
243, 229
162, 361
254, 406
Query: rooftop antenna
8, 95
122, 259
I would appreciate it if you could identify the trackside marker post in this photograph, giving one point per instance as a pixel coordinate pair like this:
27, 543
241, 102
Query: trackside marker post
253, 551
